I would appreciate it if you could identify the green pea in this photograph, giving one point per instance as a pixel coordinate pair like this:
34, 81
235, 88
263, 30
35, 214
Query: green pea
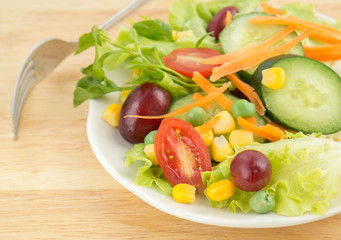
196, 116
243, 108
261, 202
149, 138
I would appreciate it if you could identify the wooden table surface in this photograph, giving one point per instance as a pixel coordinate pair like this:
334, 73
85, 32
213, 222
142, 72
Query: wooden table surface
51, 184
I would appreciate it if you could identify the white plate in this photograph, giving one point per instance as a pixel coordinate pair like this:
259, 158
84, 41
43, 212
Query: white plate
109, 147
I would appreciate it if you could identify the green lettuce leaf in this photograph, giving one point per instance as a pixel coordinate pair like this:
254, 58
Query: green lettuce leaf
243, 6
148, 175
307, 12
305, 175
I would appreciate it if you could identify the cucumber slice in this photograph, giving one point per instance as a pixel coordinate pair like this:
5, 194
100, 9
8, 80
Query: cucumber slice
239, 33
214, 109
309, 101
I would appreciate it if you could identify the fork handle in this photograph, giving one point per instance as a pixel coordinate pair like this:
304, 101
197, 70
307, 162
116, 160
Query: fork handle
133, 5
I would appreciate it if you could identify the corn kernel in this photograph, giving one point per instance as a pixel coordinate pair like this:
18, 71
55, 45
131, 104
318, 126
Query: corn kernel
220, 190
225, 124
273, 78
206, 135
240, 137
112, 114
124, 95
184, 193
221, 149
136, 72
178, 35
149, 150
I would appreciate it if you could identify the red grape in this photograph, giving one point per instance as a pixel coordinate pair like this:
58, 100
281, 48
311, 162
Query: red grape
145, 100
217, 24
250, 170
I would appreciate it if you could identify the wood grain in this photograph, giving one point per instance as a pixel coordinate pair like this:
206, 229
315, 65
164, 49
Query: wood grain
51, 184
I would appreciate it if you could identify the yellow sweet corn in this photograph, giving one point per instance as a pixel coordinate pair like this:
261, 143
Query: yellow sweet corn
136, 72
178, 35
206, 135
221, 149
124, 95
220, 190
150, 153
184, 193
240, 137
273, 78
112, 114
225, 124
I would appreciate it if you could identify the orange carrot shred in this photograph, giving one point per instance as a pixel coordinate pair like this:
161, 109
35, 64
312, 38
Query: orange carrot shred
258, 131
208, 87
273, 129
267, 8
296, 22
214, 94
323, 53
198, 96
248, 50
210, 124
251, 120
249, 92
252, 61
228, 18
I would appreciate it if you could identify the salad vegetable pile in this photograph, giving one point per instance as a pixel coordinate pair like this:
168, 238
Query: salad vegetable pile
234, 96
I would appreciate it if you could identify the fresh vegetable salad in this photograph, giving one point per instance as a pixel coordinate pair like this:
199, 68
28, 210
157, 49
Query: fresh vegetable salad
235, 97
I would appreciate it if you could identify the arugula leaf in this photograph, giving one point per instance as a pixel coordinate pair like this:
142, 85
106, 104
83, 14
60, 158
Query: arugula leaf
154, 29
85, 41
91, 87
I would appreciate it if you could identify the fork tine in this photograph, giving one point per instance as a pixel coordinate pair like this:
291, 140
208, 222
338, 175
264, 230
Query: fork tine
25, 88
20, 82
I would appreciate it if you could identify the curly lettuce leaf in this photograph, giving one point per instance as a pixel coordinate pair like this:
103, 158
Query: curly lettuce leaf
305, 176
148, 175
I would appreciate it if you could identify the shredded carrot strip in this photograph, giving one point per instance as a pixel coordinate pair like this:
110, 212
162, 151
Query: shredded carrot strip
299, 23
251, 120
198, 96
214, 94
210, 124
228, 18
324, 38
208, 87
267, 8
248, 50
252, 61
324, 53
258, 131
249, 92
273, 129
321, 50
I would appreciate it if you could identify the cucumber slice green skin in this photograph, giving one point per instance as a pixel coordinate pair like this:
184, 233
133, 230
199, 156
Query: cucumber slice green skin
239, 33
214, 109
309, 101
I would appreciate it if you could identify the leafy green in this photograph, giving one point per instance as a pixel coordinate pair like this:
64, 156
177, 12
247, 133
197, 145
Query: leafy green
243, 6
154, 29
307, 12
148, 175
305, 175
138, 52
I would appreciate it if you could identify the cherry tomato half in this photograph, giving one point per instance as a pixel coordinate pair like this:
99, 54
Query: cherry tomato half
181, 152
188, 60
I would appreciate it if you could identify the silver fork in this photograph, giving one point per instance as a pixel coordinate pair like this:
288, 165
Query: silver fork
44, 57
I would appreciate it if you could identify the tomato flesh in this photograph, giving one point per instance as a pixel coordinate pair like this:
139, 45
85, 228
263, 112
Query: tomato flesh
181, 152
188, 60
